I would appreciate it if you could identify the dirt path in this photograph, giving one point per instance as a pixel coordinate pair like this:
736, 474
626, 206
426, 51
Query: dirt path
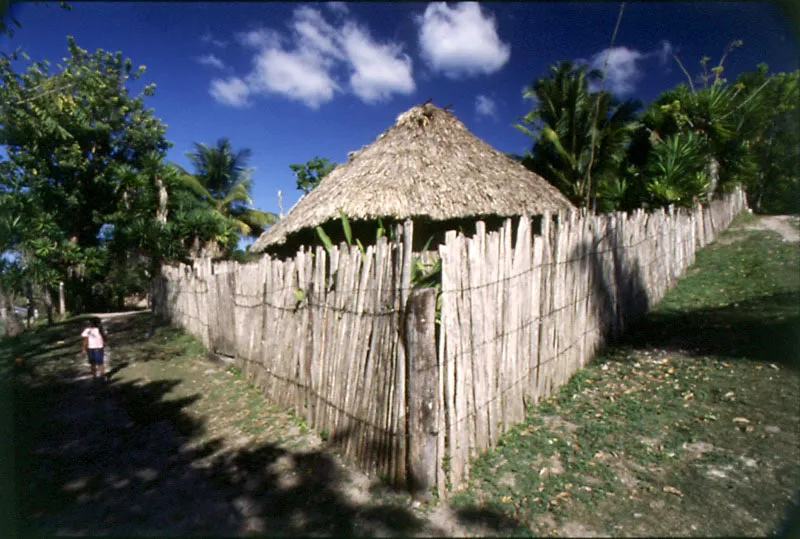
175, 444
785, 225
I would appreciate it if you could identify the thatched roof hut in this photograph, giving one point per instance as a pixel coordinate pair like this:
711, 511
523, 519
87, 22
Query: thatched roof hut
427, 165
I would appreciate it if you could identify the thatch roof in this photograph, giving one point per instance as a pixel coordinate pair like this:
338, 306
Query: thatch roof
426, 165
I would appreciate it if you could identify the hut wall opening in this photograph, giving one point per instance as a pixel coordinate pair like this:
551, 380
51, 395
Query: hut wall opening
429, 234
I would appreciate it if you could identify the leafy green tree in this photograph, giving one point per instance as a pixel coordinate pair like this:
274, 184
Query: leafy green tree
221, 180
164, 222
715, 112
742, 130
70, 135
675, 171
561, 125
768, 157
311, 173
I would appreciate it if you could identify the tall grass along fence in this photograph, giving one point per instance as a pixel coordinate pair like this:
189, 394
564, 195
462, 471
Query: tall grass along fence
344, 339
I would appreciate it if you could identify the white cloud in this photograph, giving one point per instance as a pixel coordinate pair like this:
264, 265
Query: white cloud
378, 70
315, 34
233, 92
260, 38
485, 106
626, 66
623, 71
339, 8
308, 63
297, 75
666, 52
210, 60
208, 38
461, 41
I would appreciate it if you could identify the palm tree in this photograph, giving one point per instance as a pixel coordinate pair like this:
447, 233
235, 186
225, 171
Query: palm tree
222, 180
562, 124
721, 116
675, 171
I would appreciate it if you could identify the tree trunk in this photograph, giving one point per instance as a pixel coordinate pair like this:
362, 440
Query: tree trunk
11, 324
712, 171
210, 249
31, 307
153, 272
48, 303
62, 306
161, 213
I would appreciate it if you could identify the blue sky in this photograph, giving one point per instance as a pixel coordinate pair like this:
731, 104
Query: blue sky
292, 81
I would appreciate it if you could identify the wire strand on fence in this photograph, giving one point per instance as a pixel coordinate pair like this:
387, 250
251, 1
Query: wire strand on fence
293, 306
307, 303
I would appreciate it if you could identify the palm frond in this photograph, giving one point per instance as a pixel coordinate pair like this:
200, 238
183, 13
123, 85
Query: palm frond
237, 193
196, 185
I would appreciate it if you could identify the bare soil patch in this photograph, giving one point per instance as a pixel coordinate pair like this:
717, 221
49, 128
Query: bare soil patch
788, 226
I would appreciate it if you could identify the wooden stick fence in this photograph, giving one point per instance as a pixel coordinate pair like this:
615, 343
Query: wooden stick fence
343, 339
319, 333
518, 320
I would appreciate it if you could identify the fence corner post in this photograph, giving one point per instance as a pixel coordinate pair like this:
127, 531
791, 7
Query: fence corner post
422, 397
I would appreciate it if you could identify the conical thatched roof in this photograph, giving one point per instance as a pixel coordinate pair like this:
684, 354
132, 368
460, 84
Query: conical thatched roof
426, 165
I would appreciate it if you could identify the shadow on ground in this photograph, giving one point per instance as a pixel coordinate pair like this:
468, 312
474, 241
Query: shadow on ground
118, 458
765, 328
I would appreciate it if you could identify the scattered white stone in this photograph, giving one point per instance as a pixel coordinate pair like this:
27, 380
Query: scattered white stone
772, 429
147, 474
120, 483
717, 474
508, 480
246, 506
76, 484
747, 461
698, 448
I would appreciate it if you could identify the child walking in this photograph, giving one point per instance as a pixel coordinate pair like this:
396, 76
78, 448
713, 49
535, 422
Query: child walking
93, 345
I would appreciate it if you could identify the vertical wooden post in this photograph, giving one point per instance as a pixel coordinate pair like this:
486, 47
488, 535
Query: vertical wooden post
62, 307
31, 309
47, 297
400, 402
423, 384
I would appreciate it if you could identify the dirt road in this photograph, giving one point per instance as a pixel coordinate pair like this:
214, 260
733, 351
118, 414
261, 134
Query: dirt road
176, 445
785, 225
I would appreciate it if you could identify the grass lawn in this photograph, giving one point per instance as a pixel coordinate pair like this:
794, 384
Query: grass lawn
687, 426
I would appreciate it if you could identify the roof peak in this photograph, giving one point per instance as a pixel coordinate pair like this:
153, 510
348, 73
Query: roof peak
421, 115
